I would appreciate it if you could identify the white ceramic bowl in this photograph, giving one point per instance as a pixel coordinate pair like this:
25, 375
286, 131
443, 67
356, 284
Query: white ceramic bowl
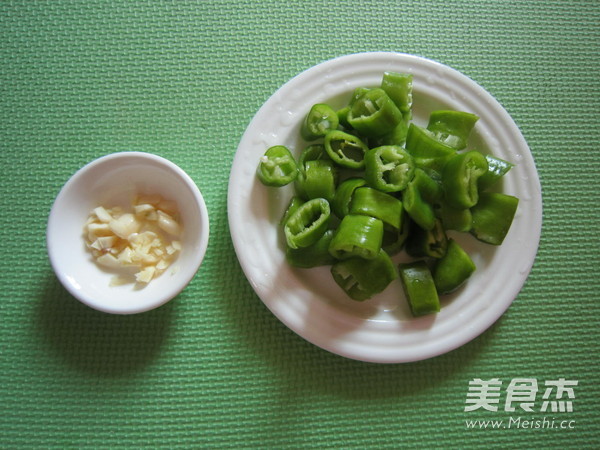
307, 300
113, 180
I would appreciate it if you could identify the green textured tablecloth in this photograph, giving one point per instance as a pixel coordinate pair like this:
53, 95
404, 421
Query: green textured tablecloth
214, 368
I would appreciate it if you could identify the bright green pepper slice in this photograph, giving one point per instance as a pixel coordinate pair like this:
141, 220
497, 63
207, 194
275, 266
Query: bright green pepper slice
452, 127
452, 269
430, 189
388, 168
419, 288
420, 211
460, 176
427, 243
345, 149
308, 223
398, 86
320, 119
314, 255
497, 168
295, 203
357, 235
340, 205
492, 216
361, 279
374, 114
317, 180
277, 167
395, 137
371, 202
427, 151
456, 219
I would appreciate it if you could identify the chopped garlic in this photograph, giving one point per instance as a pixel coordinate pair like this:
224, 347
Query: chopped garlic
141, 240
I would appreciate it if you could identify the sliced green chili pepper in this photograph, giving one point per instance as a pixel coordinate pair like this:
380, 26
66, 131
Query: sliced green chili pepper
277, 167
374, 114
345, 149
356, 94
427, 151
357, 236
398, 86
418, 209
388, 168
317, 180
361, 279
427, 243
308, 223
492, 216
343, 116
293, 205
456, 219
497, 168
314, 255
320, 119
430, 189
452, 127
371, 202
459, 179
394, 240
396, 137
419, 288
453, 269
340, 205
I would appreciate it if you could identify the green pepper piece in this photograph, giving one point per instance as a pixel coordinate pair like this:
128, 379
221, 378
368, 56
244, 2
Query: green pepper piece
306, 226
361, 279
456, 219
459, 179
427, 243
277, 167
320, 119
343, 116
398, 86
427, 151
452, 127
340, 205
419, 288
356, 94
374, 113
371, 202
317, 180
345, 149
452, 269
420, 211
293, 205
430, 189
497, 168
492, 216
357, 236
396, 137
388, 168
314, 255
394, 240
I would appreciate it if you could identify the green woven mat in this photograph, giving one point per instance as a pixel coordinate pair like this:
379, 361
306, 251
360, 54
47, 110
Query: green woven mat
214, 368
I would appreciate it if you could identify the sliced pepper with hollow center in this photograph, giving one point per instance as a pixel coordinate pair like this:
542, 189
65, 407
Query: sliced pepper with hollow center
371, 202
427, 243
340, 205
427, 151
373, 113
388, 168
345, 149
277, 167
320, 119
453, 269
497, 168
420, 211
314, 255
419, 288
317, 180
357, 235
492, 216
361, 279
308, 223
398, 86
452, 127
460, 176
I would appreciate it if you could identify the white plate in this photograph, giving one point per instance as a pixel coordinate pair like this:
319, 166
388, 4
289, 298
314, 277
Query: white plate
307, 300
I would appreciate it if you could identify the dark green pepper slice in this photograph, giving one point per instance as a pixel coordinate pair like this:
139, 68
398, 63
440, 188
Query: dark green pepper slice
453, 269
340, 205
492, 216
456, 219
427, 243
419, 288
320, 119
361, 279
420, 211
430, 189
359, 236
398, 86
394, 240
371, 202
395, 137
293, 205
427, 151
277, 167
388, 168
317, 180
452, 127
460, 176
497, 168
314, 255
345, 149
374, 114
308, 223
